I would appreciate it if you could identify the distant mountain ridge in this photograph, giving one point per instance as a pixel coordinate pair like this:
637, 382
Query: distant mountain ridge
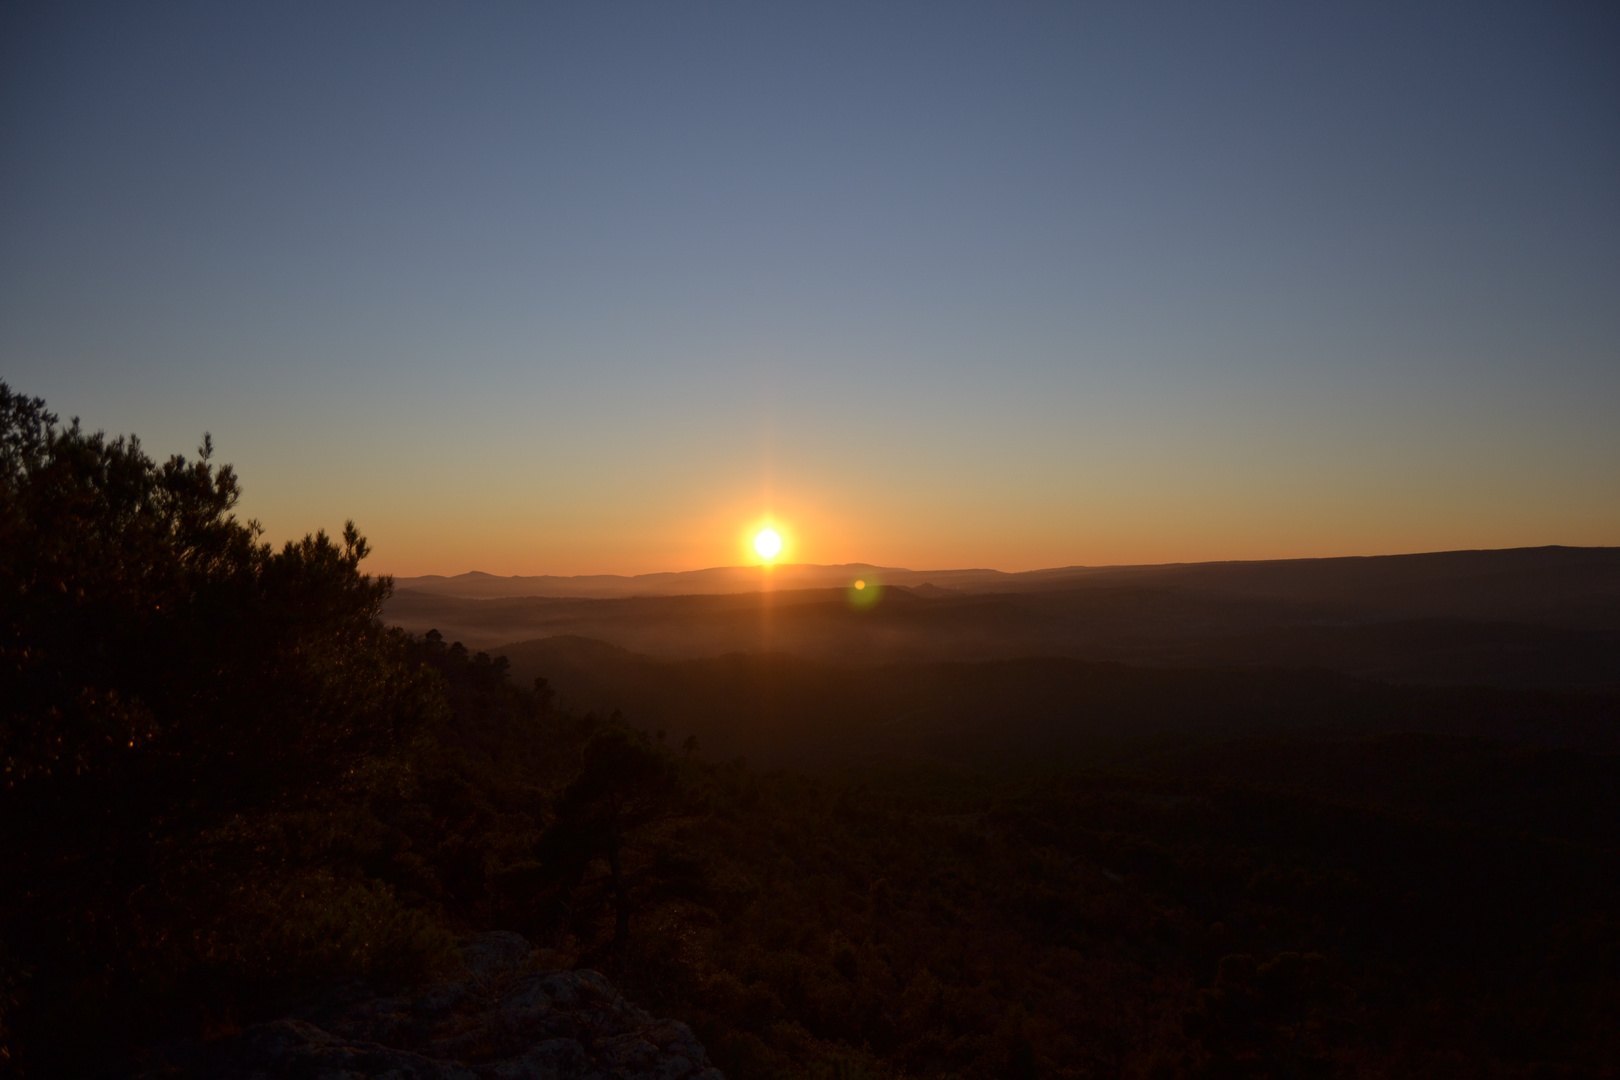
1544, 617
1346, 575
721, 580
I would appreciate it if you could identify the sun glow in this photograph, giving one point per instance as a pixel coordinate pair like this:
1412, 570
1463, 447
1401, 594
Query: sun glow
767, 543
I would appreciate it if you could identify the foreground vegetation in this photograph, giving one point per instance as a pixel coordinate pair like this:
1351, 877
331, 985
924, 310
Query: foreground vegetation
227, 786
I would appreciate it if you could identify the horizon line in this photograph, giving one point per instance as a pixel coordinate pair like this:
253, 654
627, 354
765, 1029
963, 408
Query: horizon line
991, 570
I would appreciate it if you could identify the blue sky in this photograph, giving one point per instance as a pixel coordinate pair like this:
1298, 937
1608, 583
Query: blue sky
593, 288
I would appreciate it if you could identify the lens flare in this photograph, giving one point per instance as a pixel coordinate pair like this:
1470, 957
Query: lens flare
767, 543
864, 593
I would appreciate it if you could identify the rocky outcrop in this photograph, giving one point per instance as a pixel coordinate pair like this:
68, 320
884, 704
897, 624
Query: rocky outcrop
504, 1021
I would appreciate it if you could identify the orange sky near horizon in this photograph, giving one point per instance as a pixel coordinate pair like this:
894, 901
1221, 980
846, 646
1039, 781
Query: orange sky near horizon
1160, 531
1160, 497
1232, 481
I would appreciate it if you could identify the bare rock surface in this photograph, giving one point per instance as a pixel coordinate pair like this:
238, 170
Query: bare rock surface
504, 1021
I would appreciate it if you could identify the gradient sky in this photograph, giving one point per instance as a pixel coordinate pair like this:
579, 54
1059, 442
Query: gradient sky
595, 288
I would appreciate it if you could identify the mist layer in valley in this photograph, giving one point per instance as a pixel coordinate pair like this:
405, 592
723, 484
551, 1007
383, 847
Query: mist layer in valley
1531, 617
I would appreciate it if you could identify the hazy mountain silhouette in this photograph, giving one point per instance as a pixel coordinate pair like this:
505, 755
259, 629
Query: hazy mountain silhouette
1532, 576
1547, 617
716, 579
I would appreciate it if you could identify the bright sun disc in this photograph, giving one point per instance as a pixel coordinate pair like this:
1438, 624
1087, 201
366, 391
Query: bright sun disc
767, 543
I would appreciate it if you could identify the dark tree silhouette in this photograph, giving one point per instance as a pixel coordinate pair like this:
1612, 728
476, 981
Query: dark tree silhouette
624, 783
162, 671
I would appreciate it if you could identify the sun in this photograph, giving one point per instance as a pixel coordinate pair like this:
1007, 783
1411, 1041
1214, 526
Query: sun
767, 543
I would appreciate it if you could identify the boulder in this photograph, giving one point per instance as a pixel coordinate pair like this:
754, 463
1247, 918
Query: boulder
504, 1020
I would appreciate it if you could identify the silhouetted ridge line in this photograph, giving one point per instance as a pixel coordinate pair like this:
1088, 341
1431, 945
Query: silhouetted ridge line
1533, 617
1341, 572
